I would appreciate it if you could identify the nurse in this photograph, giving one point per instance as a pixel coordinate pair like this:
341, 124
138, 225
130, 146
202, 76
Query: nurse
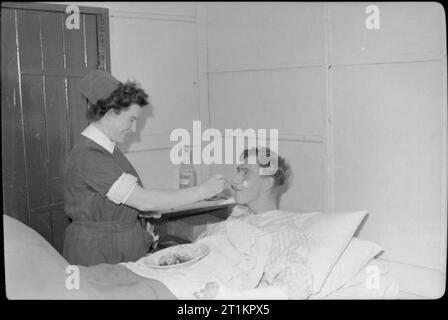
103, 192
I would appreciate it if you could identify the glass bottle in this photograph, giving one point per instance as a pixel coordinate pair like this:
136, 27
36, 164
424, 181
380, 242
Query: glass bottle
187, 174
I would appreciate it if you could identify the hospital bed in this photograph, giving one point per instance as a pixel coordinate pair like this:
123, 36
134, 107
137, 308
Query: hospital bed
35, 270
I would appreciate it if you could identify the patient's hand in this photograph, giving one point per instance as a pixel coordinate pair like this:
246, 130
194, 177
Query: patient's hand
210, 291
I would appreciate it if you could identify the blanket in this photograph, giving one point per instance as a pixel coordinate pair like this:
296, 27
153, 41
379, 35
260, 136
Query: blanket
112, 282
35, 270
287, 266
240, 265
235, 263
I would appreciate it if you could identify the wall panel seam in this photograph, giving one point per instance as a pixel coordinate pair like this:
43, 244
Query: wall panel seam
152, 16
328, 116
262, 67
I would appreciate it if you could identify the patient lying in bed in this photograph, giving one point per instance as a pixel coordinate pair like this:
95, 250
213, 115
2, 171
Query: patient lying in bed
286, 266
261, 252
257, 193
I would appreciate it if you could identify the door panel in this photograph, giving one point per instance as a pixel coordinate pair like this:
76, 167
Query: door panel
28, 25
56, 123
77, 110
74, 46
35, 140
13, 160
91, 41
43, 112
52, 40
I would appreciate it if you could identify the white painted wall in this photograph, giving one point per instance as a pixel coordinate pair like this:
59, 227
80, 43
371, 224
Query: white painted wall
265, 71
388, 100
162, 55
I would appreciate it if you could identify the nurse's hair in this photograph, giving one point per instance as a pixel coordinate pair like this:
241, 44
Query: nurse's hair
122, 98
283, 169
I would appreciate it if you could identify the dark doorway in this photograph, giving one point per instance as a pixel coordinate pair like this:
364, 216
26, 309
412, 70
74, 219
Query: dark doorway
43, 112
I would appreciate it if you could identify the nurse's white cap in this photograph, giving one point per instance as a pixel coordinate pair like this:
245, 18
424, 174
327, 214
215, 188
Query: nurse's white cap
98, 84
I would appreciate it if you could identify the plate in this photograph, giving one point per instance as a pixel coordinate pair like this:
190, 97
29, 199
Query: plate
177, 256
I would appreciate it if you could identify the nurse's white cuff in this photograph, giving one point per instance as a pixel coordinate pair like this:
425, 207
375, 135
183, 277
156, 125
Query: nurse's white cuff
122, 188
129, 193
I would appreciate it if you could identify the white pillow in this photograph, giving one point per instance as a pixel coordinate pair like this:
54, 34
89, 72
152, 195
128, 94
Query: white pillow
328, 235
366, 271
357, 288
355, 257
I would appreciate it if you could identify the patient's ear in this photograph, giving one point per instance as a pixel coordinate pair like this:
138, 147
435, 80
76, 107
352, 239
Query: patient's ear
268, 183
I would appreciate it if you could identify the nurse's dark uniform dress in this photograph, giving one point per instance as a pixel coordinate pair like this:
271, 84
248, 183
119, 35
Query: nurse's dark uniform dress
101, 231
98, 181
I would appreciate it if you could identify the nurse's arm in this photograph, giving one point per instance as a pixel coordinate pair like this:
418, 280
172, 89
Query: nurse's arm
153, 199
147, 200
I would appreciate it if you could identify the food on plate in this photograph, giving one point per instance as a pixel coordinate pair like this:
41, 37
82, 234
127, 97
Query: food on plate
168, 260
172, 259
182, 255
188, 252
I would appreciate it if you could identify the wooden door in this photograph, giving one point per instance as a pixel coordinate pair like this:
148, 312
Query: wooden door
43, 112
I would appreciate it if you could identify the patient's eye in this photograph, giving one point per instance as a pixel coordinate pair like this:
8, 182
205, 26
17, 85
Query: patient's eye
243, 171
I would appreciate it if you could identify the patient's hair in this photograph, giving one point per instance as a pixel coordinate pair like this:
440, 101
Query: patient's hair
124, 96
283, 169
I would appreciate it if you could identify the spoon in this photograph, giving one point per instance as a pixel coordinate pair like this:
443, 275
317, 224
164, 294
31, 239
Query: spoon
231, 184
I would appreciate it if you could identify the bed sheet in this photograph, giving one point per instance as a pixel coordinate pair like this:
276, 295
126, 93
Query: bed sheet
388, 289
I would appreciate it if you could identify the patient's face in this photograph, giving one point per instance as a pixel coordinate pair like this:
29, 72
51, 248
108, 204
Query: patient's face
248, 183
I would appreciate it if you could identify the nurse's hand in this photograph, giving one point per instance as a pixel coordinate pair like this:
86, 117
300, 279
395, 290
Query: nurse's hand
216, 184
